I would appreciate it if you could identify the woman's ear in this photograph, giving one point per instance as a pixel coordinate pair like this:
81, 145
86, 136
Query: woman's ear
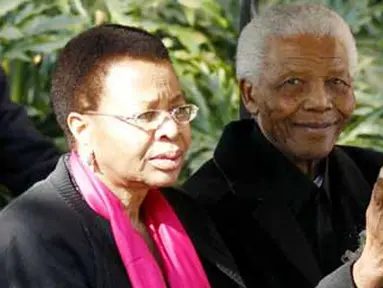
248, 94
80, 128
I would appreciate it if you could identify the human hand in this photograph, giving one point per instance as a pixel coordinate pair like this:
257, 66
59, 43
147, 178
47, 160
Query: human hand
368, 269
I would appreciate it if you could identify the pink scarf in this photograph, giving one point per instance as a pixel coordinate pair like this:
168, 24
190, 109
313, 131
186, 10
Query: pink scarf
181, 263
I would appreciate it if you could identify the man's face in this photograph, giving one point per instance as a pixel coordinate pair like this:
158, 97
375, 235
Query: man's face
304, 96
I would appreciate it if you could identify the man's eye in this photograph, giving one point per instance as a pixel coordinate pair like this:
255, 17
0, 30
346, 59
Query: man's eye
293, 81
337, 81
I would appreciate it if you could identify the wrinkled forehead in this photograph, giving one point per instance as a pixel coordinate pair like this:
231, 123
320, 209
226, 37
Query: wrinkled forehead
307, 53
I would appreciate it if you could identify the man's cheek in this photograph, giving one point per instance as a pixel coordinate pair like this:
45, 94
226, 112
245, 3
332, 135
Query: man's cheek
346, 105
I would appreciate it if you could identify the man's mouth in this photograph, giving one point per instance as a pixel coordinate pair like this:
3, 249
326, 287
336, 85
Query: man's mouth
316, 125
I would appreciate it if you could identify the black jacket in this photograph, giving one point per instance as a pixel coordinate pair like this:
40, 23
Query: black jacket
26, 155
51, 238
255, 196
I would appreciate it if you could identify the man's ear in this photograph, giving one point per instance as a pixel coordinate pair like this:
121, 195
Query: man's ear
80, 128
248, 95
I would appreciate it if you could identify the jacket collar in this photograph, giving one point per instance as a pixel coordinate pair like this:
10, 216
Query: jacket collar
249, 161
203, 233
255, 170
271, 187
347, 178
352, 191
200, 229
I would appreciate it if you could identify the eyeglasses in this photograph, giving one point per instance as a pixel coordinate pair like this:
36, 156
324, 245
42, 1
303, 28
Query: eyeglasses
153, 119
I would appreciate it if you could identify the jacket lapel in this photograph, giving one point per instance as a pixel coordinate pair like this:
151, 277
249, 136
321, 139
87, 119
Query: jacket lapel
283, 229
351, 192
348, 179
203, 234
275, 187
279, 223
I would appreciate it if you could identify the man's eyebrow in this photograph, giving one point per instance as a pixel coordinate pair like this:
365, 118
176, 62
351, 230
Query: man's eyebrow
321, 57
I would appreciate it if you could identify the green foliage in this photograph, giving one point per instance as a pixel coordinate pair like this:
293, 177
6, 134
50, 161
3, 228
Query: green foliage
201, 36
30, 35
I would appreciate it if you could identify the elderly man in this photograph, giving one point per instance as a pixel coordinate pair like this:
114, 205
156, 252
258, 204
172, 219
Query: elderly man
287, 201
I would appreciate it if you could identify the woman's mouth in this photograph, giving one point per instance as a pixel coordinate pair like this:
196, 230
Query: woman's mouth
167, 161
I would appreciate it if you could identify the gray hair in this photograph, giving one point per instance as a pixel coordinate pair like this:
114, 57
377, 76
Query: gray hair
289, 20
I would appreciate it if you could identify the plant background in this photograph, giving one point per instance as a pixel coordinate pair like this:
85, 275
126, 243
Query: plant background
201, 36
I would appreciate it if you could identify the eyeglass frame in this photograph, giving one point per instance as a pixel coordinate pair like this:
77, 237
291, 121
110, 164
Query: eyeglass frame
135, 116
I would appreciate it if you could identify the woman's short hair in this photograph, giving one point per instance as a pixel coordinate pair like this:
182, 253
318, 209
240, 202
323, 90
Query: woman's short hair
78, 78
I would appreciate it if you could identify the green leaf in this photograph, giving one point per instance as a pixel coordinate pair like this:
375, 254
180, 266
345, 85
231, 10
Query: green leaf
9, 5
194, 4
30, 10
190, 38
49, 47
190, 16
44, 24
80, 8
16, 54
117, 9
10, 33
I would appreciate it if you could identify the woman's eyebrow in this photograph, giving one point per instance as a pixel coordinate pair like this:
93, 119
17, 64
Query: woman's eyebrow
177, 98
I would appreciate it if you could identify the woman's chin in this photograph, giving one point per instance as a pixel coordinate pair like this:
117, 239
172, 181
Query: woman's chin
163, 179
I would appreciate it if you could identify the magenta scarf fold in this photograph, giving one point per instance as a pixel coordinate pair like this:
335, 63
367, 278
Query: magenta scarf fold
181, 263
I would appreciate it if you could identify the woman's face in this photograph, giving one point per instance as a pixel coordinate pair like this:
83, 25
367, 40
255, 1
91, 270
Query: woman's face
127, 154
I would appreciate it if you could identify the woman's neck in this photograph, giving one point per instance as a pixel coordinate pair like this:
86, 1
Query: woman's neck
132, 196
132, 200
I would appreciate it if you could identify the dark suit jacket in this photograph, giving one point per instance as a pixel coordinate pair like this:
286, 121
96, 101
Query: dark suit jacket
25, 156
51, 238
254, 195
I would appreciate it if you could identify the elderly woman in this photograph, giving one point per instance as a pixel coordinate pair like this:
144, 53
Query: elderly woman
100, 219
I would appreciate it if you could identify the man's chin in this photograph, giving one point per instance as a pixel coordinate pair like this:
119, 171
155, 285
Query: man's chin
314, 154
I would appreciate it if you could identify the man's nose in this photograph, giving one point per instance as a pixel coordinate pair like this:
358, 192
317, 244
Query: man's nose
318, 99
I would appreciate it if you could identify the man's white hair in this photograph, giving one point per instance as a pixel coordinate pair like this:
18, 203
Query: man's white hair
289, 20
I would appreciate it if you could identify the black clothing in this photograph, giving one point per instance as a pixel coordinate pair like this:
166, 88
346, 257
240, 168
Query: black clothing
268, 211
51, 238
26, 155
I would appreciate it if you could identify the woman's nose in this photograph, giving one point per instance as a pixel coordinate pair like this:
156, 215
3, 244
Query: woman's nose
168, 128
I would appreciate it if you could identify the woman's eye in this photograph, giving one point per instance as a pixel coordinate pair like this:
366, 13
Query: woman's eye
148, 116
182, 113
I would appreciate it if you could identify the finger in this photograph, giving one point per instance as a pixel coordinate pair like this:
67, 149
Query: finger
377, 192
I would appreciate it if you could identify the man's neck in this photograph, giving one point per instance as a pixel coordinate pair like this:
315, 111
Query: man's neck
308, 167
